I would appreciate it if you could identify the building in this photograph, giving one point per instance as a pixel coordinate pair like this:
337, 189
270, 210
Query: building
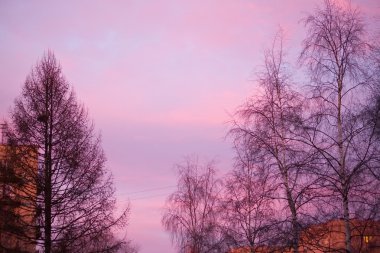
17, 198
330, 237
260, 249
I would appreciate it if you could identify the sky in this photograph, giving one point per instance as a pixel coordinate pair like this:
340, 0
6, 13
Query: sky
160, 80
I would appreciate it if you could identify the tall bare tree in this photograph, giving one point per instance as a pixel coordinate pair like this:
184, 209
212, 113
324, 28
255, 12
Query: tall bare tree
336, 52
268, 125
373, 108
73, 193
191, 211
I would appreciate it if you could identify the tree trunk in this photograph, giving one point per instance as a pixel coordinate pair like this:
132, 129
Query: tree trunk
347, 228
47, 179
342, 165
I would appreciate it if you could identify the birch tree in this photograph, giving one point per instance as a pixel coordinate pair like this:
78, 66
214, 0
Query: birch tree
247, 206
336, 53
269, 123
191, 212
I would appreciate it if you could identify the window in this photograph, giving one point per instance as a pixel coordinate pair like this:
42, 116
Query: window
367, 238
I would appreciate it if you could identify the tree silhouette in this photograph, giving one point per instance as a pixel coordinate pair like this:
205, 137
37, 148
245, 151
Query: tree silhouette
191, 211
73, 201
337, 56
247, 205
267, 126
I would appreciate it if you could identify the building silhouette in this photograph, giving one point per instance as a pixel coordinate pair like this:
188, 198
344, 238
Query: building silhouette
330, 237
18, 193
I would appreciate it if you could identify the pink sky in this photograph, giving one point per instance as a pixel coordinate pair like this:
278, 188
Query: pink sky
159, 79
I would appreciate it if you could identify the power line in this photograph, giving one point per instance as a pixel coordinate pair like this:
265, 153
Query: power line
148, 197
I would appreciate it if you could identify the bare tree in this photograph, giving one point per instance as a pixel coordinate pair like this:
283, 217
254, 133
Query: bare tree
268, 125
72, 191
191, 211
247, 206
103, 242
373, 107
336, 51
